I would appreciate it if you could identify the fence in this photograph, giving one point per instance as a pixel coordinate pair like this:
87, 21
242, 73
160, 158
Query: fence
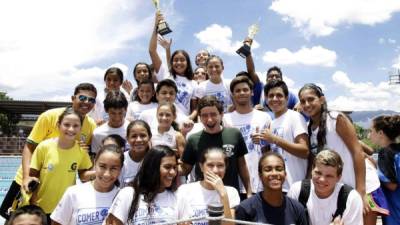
11, 145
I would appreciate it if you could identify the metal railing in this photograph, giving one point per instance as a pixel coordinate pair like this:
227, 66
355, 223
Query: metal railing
11, 145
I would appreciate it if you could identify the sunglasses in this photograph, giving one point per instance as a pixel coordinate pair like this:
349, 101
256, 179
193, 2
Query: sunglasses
83, 98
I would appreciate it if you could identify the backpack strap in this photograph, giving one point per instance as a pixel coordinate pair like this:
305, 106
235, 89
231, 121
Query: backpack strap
304, 192
341, 201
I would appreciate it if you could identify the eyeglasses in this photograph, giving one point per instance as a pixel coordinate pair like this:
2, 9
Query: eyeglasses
83, 98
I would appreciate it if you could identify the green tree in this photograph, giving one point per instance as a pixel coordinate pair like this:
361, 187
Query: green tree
8, 121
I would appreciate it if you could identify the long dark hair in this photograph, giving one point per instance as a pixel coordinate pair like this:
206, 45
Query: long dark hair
140, 83
189, 71
321, 135
147, 181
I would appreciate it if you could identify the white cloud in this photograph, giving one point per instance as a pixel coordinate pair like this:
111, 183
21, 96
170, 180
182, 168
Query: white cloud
364, 95
388, 40
391, 41
47, 43
322, 18
219, 38
381, 41
396, 64
315, 56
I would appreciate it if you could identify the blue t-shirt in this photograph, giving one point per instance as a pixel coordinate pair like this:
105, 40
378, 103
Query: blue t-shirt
388, 171
255, 209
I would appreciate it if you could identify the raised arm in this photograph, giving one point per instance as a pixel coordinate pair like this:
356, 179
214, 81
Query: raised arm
250, 64
166, 44
155, 58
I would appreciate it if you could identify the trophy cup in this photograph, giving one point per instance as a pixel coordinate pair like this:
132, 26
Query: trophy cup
244, 51
162, 27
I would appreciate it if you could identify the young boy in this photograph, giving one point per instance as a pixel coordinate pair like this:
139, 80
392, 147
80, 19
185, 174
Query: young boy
115, 105
28, 215
324, 192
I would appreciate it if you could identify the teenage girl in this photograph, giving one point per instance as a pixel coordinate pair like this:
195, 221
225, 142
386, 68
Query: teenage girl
200, 74
333, 130
88, 203
181, 72
144, 99
210, 189
138, 135
166, 133
56, 162
384, 131
141, 71
150, 198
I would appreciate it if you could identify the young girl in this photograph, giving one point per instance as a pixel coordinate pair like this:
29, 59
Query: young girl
88, 203
271, 205
181, 72
216, 85
150, 199
166, 133
384, 131
333, 130
200, 74
138, 135
56, 161
142, 71
144, 99
193, 198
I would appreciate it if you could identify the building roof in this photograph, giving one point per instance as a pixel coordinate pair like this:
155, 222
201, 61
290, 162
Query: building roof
29, 107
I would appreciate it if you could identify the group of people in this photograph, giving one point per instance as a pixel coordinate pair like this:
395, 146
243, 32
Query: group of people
180, 140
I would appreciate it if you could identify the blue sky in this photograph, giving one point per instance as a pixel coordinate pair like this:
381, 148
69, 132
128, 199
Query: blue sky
349, 47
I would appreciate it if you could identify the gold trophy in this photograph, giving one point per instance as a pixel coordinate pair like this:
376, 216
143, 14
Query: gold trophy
244, 51
162, 27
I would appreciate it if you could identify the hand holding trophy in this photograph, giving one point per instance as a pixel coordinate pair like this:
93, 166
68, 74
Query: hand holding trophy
244, 51
162, 27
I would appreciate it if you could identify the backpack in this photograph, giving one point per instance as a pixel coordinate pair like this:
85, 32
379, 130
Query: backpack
341, 200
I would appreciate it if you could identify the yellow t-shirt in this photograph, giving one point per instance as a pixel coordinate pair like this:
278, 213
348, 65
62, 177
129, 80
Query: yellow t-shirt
46, 127
58, 168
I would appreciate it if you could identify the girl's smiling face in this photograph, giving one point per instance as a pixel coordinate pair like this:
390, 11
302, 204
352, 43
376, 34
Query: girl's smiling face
179, 64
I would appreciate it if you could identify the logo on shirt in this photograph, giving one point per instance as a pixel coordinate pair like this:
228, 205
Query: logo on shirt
73, 167
50, 167
89, 216
228, 149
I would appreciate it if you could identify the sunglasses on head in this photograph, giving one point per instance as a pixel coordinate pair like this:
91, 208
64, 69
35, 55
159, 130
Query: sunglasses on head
84, 98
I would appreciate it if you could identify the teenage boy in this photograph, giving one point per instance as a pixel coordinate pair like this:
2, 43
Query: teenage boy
326, 194
165, 92
249, 121
115, 105
214, 135
46, 127
287, 133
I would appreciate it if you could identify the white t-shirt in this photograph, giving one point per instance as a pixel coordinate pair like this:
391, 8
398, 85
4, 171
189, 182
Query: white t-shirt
135, 108
221, 91
162, 74
321, 210
163, 209
83, 205
103, 131
167, 138
193, 200
150, 116
247, 124
288, 126
371, 177
186, 89
129, 170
